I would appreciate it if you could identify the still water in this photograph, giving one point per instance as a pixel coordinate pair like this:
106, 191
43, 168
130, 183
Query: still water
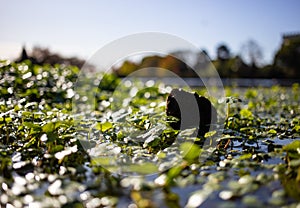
238, 82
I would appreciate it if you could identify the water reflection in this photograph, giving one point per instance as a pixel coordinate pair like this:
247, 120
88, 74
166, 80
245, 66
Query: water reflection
239, 82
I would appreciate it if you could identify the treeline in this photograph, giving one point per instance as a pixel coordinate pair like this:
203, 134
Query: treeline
43, 56
285, 64
247, 64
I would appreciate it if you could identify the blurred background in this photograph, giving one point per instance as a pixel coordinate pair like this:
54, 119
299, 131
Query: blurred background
243, 39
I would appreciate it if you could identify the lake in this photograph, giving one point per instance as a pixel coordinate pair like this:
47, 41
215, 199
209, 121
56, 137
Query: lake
238, 82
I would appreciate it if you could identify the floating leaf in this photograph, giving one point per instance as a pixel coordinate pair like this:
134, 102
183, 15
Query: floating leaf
102, 161
144, 168
245, 156
245, 113
48, 127
296, 129
272, 131
210, 134
104, 126
294, 146
190, 151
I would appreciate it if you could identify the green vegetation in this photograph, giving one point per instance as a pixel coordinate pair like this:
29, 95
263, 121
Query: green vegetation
43, 143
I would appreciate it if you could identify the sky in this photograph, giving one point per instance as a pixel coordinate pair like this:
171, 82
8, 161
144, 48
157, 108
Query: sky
80, 28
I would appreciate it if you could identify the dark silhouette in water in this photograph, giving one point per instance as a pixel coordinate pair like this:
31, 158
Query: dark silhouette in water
192, 111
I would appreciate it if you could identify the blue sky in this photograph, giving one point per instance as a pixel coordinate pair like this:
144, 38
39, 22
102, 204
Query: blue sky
82, 27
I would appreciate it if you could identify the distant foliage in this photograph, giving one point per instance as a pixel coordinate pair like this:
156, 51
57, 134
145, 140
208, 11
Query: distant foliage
248, 64
43, 56
287, 59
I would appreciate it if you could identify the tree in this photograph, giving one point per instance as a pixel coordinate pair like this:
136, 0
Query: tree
252, 53
287, 59
193, 59
45, 56
175, 65
126, 68
223, 52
